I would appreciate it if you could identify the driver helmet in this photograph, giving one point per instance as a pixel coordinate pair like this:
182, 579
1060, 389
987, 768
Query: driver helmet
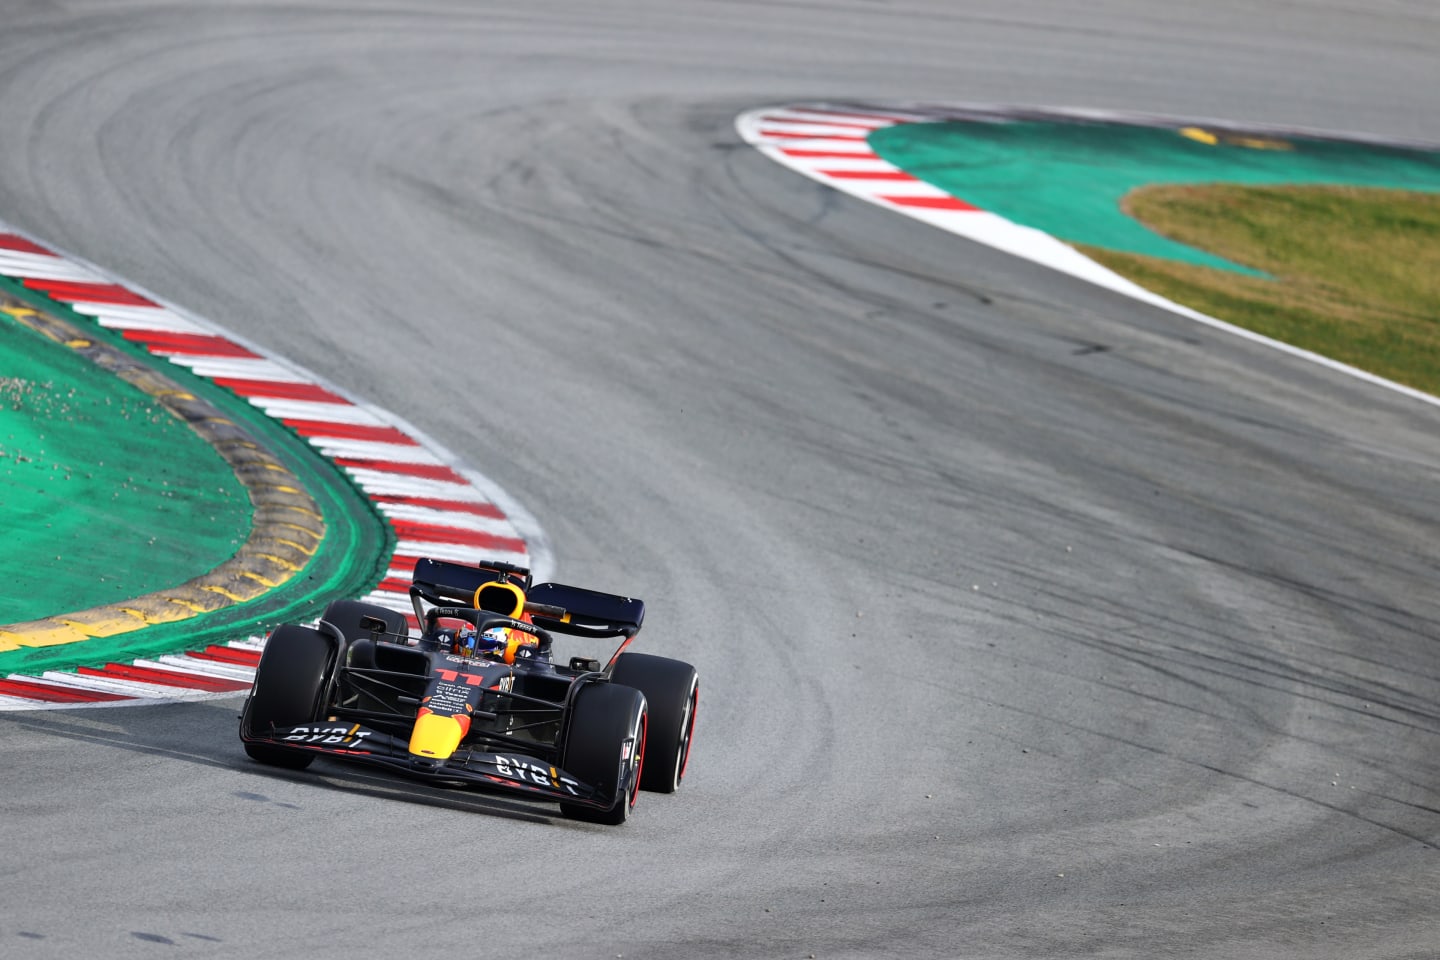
492, 641
507, 644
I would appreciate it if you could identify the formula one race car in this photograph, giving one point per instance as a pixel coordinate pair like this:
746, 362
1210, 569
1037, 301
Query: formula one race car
477, 700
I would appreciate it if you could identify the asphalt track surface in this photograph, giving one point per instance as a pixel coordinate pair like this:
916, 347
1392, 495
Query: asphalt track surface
1032, 622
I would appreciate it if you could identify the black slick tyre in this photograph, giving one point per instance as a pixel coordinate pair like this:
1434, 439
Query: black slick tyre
672, 691
288, 686
605, 748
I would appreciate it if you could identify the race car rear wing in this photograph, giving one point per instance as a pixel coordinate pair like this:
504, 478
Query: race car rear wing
556, 607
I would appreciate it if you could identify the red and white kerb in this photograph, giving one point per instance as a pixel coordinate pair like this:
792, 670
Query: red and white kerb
830, 143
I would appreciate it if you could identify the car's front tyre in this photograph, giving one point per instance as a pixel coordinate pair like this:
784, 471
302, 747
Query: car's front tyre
605, 748
289, 684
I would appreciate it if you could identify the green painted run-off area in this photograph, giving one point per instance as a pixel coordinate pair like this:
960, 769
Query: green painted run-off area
103, 493
1069, 179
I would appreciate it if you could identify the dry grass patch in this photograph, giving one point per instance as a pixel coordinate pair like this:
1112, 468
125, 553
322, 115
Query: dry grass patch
1355, 271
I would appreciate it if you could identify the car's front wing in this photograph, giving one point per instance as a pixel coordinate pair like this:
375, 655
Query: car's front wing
509, 771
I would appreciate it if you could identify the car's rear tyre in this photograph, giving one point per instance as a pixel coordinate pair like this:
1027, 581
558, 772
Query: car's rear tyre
289, 683
672, 691
605, 748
